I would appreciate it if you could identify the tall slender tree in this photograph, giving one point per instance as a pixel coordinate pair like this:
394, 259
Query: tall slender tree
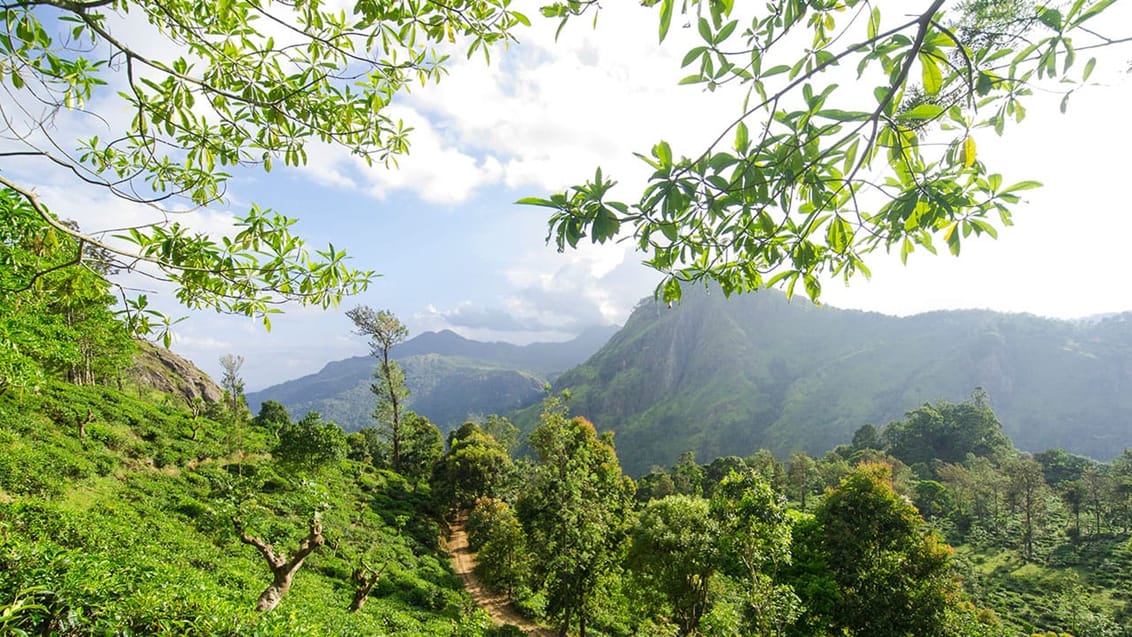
233, 385
385, 331
1029, 493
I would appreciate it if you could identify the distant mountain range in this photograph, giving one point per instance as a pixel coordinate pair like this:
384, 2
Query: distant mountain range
729, 376
449, 378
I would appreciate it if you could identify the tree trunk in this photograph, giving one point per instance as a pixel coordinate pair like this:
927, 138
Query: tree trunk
282, 571
365, 578
271, 595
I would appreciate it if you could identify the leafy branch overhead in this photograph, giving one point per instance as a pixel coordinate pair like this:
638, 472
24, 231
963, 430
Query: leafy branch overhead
812, 175
239, 83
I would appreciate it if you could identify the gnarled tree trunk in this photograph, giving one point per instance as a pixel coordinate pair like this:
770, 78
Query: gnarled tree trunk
282, 569
365, 578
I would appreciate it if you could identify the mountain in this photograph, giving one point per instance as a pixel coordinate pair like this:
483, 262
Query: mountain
449, 378
728, 376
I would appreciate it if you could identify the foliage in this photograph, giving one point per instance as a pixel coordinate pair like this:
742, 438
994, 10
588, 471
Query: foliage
128, 531
1027, 491
207, 93
422, 447
55, 321
503, 560
272, 417
817, 170
947, 432
575, 512
474, 466
673, 548
755, 545
893, 578
310, 444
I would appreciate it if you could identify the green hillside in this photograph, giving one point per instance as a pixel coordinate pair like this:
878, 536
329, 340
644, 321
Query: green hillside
728, 376
117, 517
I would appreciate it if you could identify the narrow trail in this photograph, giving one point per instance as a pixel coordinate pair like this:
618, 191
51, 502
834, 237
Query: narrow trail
496, 605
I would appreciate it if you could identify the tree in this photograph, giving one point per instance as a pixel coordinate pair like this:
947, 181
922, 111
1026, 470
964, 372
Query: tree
422, 446
802, 475
674, 550
575, 511
813, 175
947, 432
233, 386
474, 466
247, 85
687, 476
754, 537
1028, 491
867, 437
720, 468
282, 569
311, 443
894, 578
498, 537
272, 417
385, 331
502, 430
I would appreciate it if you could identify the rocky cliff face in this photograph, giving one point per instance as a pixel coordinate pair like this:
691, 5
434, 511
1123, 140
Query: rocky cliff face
729, 376
167, 372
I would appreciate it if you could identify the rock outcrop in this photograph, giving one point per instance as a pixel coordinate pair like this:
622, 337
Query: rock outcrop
167, 372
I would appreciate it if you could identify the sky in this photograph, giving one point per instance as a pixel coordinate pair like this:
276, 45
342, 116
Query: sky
455, 252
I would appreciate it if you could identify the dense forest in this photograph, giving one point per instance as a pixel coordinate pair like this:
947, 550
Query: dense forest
129, 510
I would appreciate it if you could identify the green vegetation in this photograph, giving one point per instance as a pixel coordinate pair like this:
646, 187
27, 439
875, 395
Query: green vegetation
136, 512
130, 527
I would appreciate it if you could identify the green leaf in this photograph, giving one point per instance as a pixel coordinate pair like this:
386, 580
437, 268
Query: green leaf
1093, 11
742, 141
726, 31
536, 201
671, 291
923, 111
874, 23
839, 115
932, 76
605, 225
984, 83
704, 28
1022, 185
952, 238
969, 151
665, 17
693, 55
1050, 17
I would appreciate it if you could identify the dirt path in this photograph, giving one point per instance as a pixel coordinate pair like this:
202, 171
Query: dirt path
496, 605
